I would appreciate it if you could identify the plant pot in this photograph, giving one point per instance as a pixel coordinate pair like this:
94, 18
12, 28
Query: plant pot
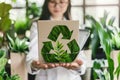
21, 36
18, 65
114, 55
100, 54
87, 75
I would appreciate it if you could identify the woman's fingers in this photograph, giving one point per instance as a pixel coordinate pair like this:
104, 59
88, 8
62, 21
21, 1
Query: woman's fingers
39, 65
73, 65
79, 62
51, 65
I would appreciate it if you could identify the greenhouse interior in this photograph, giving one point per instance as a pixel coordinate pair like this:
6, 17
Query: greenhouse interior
59, 39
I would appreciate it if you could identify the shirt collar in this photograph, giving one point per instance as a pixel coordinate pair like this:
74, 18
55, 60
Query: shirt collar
54, 19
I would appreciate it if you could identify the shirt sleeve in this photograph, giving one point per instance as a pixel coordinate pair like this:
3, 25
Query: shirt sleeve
82, 68
33, 48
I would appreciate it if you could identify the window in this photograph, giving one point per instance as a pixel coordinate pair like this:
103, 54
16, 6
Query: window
79, 8
96, 8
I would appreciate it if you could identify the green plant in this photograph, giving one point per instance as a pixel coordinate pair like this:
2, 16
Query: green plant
32, 13
3, 61
21, 25
33, 10
5, 21
108, 40
103, 22
13, 77
116, 39
105, 39
59, 54
3, 74
100, 70
18, 45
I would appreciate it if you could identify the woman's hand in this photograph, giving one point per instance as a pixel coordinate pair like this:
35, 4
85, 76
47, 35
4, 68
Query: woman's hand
73, 65
40, 65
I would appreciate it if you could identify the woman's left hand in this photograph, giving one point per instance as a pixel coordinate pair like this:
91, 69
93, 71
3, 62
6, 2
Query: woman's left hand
73, 65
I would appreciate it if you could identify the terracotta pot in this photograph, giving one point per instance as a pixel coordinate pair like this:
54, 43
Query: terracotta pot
18, 65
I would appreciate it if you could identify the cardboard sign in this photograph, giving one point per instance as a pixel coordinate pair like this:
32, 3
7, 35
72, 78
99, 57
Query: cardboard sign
56, 39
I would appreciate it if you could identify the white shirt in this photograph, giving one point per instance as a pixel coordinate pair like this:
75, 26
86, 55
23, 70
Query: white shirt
58, 73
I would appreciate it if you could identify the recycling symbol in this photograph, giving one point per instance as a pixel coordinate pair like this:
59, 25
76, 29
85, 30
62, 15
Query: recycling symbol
60, 55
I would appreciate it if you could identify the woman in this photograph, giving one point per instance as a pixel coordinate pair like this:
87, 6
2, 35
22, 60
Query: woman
53, 10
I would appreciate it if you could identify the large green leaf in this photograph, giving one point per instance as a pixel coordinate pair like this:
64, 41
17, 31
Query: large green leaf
107, 47
5, 22
4, 9
95, 41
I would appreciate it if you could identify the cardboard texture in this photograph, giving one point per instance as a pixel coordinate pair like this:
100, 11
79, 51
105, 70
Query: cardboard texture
45, 27
18, 65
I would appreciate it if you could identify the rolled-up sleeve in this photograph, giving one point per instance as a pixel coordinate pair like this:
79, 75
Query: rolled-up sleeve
33, 48
82, 68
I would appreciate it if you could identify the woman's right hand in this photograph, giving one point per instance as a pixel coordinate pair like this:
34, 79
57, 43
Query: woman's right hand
41, 65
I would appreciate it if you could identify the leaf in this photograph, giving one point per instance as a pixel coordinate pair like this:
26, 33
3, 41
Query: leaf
21, 25
105, 41
106, 44
5, 22
1, 78
100, 74
3, 60
15, 77
103, 20
4, 9
14, 0
111, 21
107, 75
19, 45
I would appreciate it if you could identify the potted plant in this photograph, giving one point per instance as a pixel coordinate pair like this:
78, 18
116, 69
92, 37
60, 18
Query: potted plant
18, 50
105, 36
100, 71
104, 22
3, 74
115, 54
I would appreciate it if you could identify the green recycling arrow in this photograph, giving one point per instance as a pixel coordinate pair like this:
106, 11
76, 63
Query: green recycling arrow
60, 55
56, 30
47, 47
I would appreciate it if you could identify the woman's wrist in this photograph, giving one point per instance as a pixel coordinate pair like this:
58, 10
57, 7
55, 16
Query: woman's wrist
34, 68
